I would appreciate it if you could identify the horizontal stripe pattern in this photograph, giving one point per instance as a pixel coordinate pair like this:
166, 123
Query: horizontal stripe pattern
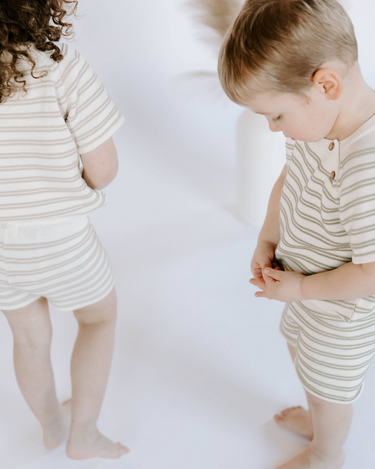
327, 219
64, 114
61, 259
332, 355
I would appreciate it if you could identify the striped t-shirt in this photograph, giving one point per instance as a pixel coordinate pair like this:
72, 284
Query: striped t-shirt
327, 212
42, 133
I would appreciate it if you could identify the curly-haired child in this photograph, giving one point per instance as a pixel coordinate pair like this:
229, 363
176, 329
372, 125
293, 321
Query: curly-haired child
54, 110
296, 62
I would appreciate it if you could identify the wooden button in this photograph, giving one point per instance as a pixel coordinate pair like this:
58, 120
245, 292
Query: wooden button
333, 175
331, 146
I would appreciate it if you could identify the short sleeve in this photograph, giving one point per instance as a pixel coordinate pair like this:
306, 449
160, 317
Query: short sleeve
357, 203
289, 147
89, 112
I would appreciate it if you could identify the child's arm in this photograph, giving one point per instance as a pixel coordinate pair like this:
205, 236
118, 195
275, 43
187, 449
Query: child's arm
100, 165
347, 282
270, 233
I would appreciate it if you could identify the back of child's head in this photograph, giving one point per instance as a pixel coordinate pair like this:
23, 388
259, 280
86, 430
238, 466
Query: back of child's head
276, 46
25, 24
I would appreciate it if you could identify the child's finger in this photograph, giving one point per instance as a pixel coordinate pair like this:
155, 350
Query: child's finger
261, 294
266, 264
258, 275
258, 283
273, 273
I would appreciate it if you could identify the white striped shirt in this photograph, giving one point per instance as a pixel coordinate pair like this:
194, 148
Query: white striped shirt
327, 212
42, 133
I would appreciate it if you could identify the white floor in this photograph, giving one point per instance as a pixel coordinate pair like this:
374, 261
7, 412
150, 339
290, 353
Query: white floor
199, 367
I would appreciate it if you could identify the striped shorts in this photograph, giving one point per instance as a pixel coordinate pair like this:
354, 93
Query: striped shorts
60, 259
333, 353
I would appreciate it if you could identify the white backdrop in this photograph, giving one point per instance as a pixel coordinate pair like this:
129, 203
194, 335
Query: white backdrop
139, 47
199, 366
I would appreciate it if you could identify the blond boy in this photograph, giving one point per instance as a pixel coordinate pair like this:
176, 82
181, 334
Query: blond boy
296, 62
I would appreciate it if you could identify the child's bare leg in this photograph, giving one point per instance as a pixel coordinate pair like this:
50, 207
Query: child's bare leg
91, 361
32, 332
331, 423
296, 419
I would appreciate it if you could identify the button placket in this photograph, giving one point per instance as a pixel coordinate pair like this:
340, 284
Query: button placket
333, 174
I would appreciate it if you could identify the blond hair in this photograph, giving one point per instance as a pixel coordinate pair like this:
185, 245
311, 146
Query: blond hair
278, 45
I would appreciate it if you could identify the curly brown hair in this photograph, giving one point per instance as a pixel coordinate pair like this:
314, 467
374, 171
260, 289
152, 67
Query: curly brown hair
27, 23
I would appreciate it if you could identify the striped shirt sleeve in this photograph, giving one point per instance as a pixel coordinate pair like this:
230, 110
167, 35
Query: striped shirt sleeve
357, 204
89, 112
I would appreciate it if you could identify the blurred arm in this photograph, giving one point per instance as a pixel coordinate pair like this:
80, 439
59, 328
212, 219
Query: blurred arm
270, 231
100, 165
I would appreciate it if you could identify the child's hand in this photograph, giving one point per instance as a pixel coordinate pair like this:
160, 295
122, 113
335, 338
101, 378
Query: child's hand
263, 257
279, 285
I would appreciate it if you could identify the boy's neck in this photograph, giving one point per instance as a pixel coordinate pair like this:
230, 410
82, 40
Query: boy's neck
357, 108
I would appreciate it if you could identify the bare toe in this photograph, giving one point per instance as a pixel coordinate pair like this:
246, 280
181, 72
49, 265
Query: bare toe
91, 444
123, 449
297, 420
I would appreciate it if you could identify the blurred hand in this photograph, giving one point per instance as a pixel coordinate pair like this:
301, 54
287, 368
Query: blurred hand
263, 257
278, 285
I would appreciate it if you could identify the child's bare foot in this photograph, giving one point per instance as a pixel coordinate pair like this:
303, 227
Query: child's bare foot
56, 432
297, 420
90, 443
308, 460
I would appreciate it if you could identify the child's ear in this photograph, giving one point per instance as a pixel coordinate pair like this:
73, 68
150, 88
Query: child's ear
329, 82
